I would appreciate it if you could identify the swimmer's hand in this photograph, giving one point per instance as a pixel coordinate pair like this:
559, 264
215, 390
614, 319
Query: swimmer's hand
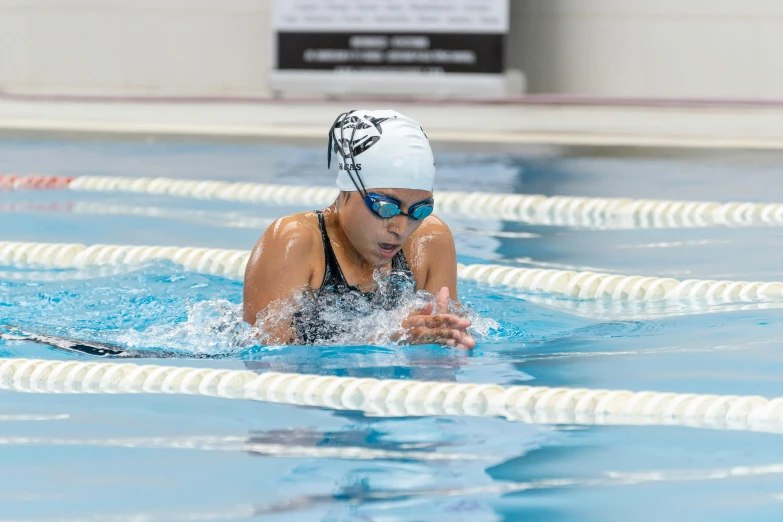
424, 327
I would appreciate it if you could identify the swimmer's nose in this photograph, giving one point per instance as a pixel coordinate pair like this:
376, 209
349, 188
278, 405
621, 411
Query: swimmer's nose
398, 225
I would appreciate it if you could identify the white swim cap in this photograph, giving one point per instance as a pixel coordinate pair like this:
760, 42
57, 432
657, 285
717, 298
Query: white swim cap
385, 149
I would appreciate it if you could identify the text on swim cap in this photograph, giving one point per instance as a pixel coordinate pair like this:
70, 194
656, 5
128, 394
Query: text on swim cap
357, 166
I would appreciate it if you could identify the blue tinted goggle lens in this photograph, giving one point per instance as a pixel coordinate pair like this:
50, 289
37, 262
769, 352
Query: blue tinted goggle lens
388, 209
421, 212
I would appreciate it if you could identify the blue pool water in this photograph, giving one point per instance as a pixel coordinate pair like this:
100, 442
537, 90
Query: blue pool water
162, 458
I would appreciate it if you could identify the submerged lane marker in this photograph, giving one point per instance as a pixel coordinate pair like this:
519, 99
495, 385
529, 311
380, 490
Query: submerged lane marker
33, 418
566, 283
529, 208
399, 398
243, 444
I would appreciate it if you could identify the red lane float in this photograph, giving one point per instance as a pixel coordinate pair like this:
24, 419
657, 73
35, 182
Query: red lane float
34, 182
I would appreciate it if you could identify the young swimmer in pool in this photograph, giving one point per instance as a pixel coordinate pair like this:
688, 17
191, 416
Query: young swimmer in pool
382, 219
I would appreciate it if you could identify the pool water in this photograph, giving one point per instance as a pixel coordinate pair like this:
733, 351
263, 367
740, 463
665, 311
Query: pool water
169, 458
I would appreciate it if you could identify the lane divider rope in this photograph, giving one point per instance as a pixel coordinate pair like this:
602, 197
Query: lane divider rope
530, 208
570, 284
399, 398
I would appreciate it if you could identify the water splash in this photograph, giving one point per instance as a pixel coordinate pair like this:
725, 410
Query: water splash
163, 310
357, 316
212, 328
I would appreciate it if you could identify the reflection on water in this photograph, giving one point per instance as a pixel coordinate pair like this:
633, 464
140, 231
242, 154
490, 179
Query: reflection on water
434, 469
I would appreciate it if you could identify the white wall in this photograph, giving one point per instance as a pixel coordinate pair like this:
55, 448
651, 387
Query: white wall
650, 48
656, 48
174, 47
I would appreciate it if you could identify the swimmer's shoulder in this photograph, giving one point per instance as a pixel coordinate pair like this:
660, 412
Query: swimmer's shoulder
282, 262
432, 240
293, 239
433, 232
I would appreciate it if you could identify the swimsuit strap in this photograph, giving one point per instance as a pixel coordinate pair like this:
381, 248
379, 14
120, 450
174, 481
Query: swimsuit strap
399, 262
333, 276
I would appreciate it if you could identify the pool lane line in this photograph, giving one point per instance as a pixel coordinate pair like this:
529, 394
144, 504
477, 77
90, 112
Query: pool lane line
92, 348
528, 208
565, 283
401, 398
243, 444
33, 418
66, 344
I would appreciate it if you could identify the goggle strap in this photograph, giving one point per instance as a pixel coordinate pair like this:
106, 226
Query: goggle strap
362, 190
331, 140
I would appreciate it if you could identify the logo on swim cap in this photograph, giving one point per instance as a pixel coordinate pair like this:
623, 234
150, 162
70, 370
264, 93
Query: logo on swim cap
355, 139
380, 149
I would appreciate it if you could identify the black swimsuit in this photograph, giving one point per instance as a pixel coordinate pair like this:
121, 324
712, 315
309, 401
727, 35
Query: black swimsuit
310, 323
333, 276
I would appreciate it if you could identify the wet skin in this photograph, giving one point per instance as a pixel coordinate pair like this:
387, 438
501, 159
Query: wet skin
289, 257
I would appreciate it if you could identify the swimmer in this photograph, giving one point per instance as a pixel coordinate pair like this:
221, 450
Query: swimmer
382, 220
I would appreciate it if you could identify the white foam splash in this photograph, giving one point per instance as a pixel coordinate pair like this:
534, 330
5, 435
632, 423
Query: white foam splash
216, 327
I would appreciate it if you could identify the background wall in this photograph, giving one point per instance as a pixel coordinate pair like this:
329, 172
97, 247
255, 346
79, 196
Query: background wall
630, 48
185, 47
655, 48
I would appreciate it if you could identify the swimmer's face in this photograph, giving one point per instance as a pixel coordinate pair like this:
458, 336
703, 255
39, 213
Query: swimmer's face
376, 239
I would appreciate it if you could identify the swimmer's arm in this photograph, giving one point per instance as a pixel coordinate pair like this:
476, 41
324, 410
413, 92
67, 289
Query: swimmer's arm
279, 267
437, 254
440, 257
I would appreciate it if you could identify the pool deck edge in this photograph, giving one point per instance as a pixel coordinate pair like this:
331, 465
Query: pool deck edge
727, 127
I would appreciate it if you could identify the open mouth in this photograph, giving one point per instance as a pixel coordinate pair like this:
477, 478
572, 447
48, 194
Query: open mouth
388, 250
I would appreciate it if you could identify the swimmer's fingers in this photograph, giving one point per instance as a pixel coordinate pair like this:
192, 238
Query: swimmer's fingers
437, 321
461, 340
452, 321
443, 336
442, 301
426, 335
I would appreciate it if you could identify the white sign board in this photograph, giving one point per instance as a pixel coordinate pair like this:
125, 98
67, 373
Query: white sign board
424, 42
448, 16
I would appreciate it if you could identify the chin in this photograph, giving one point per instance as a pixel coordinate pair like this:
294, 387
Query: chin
380, 261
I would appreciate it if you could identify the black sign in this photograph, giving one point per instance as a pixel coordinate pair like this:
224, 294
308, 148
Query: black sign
388, 52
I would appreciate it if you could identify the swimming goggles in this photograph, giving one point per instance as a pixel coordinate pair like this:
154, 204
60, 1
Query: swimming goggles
386, 207
382, 206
